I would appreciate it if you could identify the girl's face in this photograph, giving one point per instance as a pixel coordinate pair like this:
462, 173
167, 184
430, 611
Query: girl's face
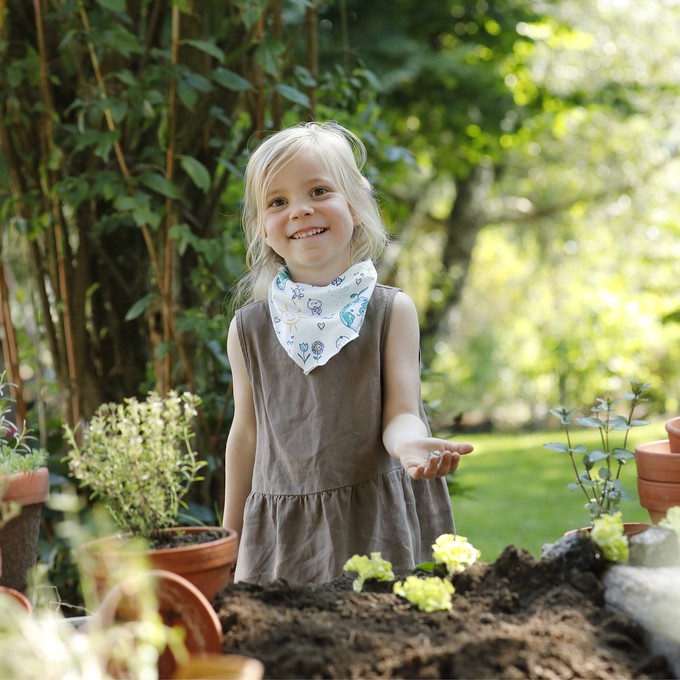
308, 222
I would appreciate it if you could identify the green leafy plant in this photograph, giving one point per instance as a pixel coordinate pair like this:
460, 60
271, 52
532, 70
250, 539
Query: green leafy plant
607, 534
16, 452
599, 481
373, 567
430, 594
137, 458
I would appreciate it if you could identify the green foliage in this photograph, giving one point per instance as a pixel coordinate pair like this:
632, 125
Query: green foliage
599, 481
137, 459
16, 451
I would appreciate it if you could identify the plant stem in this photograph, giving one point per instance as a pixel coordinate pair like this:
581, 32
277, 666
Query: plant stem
573, 464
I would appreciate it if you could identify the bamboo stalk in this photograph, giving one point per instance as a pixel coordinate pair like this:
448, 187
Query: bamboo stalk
312, 58
277, 109
59, 231
10, 351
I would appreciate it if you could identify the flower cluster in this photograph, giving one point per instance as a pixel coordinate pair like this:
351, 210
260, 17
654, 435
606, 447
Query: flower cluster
431, 594
373, 567
456, 553
607, 533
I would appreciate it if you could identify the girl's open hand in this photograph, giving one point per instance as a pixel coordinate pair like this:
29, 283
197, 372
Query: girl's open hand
430, 458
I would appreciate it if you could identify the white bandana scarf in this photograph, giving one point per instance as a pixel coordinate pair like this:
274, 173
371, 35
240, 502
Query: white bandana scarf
313, 323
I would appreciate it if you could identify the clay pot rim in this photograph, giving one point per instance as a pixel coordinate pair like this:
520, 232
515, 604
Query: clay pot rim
101, 544
27, 488
658, 485
646, 449
19, 597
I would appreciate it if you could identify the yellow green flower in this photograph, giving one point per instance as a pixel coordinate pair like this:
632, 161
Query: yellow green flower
373, 567
431, 594
455, 552
607, 533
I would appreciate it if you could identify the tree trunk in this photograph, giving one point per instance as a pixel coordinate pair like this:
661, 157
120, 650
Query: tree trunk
468, 215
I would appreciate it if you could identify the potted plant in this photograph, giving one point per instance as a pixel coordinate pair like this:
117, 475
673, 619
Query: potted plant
658, 468
598, 479
137, 459
24, 487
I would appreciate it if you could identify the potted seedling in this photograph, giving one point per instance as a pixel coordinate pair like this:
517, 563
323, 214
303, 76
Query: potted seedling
138, 460
24, 487
598, 478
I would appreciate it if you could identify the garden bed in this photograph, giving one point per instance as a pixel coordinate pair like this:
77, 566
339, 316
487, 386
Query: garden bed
515, 618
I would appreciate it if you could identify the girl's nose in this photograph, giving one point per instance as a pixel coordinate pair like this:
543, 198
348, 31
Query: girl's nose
300, 210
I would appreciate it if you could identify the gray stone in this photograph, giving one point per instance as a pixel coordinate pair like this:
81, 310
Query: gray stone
650, 596
654, 547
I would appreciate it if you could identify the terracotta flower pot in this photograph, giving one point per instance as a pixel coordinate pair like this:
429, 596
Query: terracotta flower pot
18, 597
629, 529
658, 471
180, 604
19, 537
208, 565
658, 497
673, 429
656, 463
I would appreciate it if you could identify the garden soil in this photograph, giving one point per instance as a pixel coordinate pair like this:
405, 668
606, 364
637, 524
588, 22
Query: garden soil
518, 617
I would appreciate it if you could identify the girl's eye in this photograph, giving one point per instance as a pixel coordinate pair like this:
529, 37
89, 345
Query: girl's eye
276, 203
319, 191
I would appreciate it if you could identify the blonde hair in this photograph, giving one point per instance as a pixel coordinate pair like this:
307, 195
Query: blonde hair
343, 155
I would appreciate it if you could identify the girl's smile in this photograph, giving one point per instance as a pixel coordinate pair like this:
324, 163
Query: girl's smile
308, 221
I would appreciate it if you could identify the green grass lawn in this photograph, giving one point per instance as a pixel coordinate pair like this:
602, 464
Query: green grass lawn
515, 491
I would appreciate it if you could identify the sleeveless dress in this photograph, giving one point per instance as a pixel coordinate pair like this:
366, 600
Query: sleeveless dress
324, 487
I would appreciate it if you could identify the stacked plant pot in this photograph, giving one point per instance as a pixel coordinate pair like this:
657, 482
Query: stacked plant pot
658, 469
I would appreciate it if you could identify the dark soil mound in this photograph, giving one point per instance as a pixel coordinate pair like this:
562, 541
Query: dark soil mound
516, 618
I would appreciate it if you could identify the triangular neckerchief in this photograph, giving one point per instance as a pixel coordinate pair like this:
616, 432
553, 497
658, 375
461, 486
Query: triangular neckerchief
313, 323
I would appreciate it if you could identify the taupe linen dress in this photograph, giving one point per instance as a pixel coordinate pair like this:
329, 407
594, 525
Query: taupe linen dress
324, 488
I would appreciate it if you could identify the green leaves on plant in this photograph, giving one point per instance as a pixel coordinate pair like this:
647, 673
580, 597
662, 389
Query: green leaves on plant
250, 11
112, 5
604, 490
140, 306
197, 172
160, 184
292, 95
207, 47
230, 80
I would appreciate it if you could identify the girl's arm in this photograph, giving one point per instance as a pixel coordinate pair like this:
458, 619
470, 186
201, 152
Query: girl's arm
404, 434
240, 453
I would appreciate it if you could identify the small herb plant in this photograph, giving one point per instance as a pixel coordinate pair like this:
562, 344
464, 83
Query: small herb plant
373, 567
607, 534
137, 458
599, 481
16, 452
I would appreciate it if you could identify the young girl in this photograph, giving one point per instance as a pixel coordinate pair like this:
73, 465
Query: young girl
329, 454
